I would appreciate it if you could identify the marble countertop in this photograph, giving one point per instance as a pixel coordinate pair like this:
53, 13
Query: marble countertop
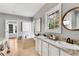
54, 43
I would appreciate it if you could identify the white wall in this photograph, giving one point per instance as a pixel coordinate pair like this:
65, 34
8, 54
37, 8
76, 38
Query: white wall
65, 7
4, 16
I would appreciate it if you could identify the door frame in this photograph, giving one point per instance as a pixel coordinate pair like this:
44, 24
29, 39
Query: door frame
6, 30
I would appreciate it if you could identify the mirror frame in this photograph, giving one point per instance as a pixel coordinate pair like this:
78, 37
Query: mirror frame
64, 17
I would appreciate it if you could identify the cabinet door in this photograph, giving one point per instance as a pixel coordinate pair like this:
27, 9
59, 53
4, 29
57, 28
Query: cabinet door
63, 53
44, 48
53, 51
38, 45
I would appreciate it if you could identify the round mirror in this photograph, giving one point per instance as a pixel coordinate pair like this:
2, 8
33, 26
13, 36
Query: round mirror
71, 19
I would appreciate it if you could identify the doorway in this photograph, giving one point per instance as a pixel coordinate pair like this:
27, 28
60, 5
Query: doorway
11, 29
11, 33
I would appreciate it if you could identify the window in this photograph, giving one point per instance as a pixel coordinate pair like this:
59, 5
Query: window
53, 20
26, 26
10, 28
27, 29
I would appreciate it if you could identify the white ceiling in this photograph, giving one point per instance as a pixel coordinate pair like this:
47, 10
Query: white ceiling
23, 9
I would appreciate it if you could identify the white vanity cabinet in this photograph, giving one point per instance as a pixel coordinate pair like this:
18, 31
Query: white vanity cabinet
63, 53
44, 48
53, 51
38, 46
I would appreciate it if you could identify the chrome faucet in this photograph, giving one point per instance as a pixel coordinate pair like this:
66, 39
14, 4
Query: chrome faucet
69, 41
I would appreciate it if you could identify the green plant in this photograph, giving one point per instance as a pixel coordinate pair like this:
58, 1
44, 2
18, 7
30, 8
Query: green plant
51, 24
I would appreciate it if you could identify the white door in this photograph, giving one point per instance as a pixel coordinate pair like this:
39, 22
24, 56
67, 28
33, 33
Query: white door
11, 29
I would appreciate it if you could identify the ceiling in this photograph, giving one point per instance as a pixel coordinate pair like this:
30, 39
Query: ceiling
23, 9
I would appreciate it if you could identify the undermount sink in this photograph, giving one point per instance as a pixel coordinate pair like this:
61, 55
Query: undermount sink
68, 45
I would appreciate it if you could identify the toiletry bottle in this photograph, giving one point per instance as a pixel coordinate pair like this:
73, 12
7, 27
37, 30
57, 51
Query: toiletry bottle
54, 37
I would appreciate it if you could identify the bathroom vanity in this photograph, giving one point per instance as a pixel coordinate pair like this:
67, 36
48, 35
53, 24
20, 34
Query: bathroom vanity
47, 47
53, 25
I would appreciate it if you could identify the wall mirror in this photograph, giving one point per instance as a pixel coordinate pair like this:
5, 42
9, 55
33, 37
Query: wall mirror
53, 20
71, 19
